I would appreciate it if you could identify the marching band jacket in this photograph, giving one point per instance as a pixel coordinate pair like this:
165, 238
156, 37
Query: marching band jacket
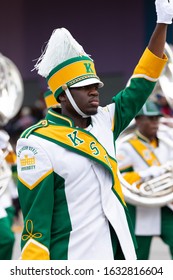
68, 186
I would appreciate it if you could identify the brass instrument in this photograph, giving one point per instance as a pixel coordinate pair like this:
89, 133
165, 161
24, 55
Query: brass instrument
156, 191
5, 172
11, 99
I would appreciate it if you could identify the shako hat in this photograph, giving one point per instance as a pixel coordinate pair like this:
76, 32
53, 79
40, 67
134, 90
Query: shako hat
65, 64
50, 100
149, 109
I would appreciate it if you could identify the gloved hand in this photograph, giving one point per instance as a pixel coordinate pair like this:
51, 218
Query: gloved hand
164, 10
152, 172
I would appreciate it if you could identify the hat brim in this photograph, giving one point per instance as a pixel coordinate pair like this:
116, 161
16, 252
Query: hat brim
87, 82
150, 114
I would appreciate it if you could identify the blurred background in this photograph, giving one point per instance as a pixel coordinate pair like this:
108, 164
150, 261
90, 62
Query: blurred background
114, 34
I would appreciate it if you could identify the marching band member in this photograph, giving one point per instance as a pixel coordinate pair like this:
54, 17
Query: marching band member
141, 158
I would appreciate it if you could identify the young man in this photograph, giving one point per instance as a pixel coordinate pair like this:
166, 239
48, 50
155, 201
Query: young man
142, 158
70, 194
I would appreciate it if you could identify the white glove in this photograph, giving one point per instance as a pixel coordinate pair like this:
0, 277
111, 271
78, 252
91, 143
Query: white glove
152, 172
164, 10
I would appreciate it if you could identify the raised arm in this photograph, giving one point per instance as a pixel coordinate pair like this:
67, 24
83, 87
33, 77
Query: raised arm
164, 10
157, 41
147, 71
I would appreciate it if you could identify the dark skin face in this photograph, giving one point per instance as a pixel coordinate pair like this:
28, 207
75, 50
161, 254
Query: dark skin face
86, 98
148, 126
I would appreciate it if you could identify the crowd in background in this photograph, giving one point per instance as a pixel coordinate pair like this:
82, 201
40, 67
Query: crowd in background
26, 117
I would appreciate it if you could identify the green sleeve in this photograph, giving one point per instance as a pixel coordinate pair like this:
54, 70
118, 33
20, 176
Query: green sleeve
37, 208
129, 101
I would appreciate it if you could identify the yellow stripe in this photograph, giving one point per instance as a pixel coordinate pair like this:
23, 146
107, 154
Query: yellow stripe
50, 101
113, 124
117, 186
132, 177
11, 158
157, 65
31, 187
69, 73
61, 134
147, 155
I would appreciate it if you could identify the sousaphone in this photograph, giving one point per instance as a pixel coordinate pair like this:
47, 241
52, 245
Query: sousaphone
157, 191
11, 99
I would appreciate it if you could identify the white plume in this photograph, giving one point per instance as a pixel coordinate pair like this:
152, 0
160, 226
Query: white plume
60, 47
